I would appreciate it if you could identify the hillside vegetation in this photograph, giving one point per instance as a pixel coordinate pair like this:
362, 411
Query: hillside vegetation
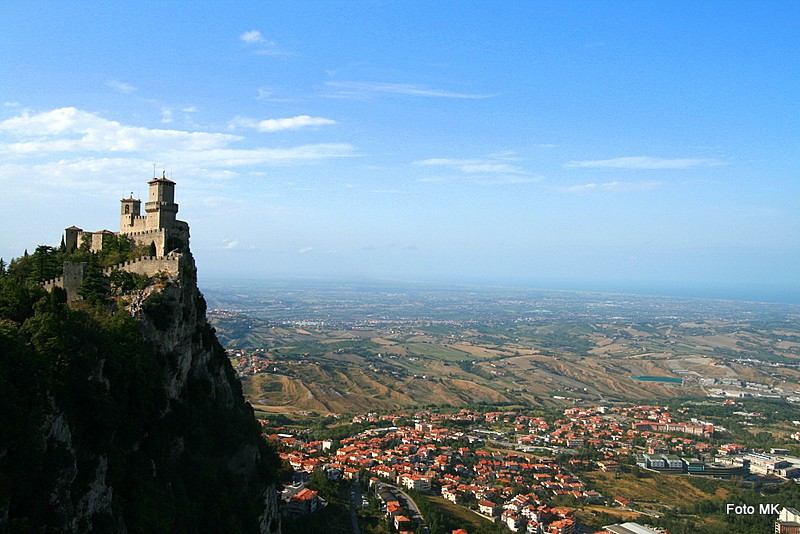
93, 436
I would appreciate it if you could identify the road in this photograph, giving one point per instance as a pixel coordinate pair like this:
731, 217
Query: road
355, 502
412, 506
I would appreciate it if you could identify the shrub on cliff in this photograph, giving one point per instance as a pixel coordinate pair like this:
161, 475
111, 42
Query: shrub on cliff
86, 408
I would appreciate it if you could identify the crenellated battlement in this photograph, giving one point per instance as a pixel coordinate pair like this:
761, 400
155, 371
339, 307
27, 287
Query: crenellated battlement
58, 281
72, 279
142, 235
146, 265
149, 265
156, 227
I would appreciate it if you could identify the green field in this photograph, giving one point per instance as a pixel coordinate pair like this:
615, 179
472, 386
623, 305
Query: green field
581, 349
438, 352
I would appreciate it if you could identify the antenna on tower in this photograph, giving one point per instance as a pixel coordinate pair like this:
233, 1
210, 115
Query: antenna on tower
154, 170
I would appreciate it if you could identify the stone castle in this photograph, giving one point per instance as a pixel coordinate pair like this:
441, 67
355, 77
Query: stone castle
157, 228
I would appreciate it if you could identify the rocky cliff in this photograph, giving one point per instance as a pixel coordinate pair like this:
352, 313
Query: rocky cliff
126, 417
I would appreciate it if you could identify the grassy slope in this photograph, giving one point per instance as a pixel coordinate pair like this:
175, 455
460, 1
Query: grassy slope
343, 370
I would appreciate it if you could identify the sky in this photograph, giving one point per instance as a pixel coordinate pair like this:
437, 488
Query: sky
613, 146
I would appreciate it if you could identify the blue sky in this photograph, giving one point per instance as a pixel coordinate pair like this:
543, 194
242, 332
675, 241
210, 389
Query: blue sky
647, 146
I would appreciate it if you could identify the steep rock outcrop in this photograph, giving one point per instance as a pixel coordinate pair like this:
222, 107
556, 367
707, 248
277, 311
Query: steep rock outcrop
141, 426
195, 355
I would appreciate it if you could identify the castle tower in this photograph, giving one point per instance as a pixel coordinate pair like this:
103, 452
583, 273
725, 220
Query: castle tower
158, 225
130, 209
71, 238
161, 207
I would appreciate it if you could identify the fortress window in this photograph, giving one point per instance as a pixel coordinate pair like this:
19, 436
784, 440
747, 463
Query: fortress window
127, 208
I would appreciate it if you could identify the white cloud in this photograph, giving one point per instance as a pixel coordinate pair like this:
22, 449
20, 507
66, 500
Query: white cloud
493, 170
611, 186
581, 188
252, 37
166, 115
87, 175
271, 50
483, 167
277, 125
71, 130
122, 87
630, 186
440, 161
644, 162
47, 123
233, 244
230, 157
305, 250
512, 180
362, 89
507, 155
267, 94
385, 191
473, 166
435, 179
71, 148
263, 47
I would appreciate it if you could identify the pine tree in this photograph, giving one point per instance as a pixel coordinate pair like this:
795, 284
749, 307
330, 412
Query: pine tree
95, 286
45, 263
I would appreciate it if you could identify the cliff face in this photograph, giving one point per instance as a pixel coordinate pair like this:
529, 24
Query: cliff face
199, 374
137, 425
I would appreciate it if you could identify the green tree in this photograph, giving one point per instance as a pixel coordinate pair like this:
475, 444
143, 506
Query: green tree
95, 286
46, 263
122, 281
17, 298
116, 249
328, 489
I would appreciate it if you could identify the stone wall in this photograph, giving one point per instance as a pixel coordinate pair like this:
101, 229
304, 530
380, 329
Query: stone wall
148, 266
73, 278
145, 238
